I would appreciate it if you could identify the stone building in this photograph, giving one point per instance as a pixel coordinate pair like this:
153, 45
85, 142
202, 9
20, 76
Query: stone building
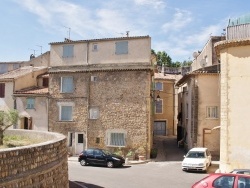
100, 93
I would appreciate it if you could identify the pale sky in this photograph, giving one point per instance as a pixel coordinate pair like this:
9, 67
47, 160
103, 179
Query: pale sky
178, 27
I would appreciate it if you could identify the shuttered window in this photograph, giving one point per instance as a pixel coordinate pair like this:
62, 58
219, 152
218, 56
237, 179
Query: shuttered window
30, 103
121, 47
158, 106
68, 51
116, 138
67, 84
66, 113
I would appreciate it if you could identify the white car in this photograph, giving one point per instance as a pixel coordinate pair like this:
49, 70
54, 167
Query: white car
197, 159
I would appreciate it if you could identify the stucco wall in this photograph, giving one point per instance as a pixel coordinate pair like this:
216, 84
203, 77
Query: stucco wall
138, 51
235, 78
38, 165
39, 114
7, 102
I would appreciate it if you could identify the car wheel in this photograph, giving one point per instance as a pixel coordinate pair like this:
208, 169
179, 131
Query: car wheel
110, 164
83, 162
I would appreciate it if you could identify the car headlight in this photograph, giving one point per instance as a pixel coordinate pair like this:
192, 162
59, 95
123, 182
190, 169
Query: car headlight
115, 158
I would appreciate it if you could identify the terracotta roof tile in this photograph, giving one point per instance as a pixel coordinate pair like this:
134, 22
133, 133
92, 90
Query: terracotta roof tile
32, 90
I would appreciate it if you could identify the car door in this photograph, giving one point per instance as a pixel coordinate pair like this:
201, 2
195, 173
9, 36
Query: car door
90, 156
99, 157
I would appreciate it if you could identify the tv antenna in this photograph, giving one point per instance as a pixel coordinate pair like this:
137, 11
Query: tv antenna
68, 32
34, 51
41, 47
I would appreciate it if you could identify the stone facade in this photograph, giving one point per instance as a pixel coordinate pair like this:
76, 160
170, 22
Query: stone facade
107, 103
121, 97
39, 165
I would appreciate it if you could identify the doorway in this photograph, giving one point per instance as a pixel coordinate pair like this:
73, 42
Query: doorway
160, 128
79, 143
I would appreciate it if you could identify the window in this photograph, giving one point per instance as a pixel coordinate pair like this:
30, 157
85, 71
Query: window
66, 113
45, 82
68, 51
116, 138
30, 103
212, 112
121, 47
94, 113
93, 78
94, 47
158, 106
224, 181
67, 84
70, 139
159, 86
3, 68
2, 90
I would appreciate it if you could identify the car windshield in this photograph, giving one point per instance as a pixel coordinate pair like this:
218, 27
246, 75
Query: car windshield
195, 154
106, 152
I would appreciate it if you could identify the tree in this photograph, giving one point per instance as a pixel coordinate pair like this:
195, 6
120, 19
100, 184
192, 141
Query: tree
163, 59
7, 119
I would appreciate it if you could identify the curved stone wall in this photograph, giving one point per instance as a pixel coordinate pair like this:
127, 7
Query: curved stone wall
38, 165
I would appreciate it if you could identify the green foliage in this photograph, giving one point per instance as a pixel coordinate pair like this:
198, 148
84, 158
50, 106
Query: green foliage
164, 59
7, 119
153, 153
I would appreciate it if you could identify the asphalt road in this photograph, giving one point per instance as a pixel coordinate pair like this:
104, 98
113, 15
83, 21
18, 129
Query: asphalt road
163, 171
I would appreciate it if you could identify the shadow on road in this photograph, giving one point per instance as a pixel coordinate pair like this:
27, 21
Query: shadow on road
167, 149
77, 184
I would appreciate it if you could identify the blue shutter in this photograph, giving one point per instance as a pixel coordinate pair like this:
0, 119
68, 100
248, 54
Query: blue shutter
67, 84
68, 51
121, 47
66, 113
30, 103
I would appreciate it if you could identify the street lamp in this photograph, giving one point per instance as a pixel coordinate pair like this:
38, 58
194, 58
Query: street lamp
152, 95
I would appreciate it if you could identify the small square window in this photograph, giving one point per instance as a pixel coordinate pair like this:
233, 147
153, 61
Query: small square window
2, 90
212, 112
94, 113
121, 47
66, 113
159, 86
68, 51
30, 103
93, 78
95, 47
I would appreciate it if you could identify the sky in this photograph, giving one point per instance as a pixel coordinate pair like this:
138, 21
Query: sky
178, 27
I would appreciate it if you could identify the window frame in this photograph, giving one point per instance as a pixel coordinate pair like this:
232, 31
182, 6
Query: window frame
110, 138
94, 113
30, 103
94, 47
159, 102
157, 86
121, 47
60, 113
68, 51
63, 87
212, 112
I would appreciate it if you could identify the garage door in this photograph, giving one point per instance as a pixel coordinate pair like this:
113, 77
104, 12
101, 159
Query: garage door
160, 128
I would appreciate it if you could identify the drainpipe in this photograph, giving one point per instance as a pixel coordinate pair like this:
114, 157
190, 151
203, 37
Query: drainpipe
88, 93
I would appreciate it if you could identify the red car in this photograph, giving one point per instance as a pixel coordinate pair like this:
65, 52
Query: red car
224, 180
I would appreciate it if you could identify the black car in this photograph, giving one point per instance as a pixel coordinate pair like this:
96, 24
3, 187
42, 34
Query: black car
100, 157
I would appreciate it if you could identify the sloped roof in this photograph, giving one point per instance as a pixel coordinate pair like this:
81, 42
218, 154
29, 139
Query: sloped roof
20, 72
162, 76
68, 41
32, 91
214, 69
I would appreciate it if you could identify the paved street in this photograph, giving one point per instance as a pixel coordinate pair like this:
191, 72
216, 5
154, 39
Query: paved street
164, 171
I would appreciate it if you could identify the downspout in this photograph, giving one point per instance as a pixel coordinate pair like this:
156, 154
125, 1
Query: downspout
88, 92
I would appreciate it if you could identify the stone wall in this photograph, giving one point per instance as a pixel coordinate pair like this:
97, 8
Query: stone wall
38, 165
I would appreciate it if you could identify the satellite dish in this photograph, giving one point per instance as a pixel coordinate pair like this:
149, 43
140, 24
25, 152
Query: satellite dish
195, 54
203, 63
